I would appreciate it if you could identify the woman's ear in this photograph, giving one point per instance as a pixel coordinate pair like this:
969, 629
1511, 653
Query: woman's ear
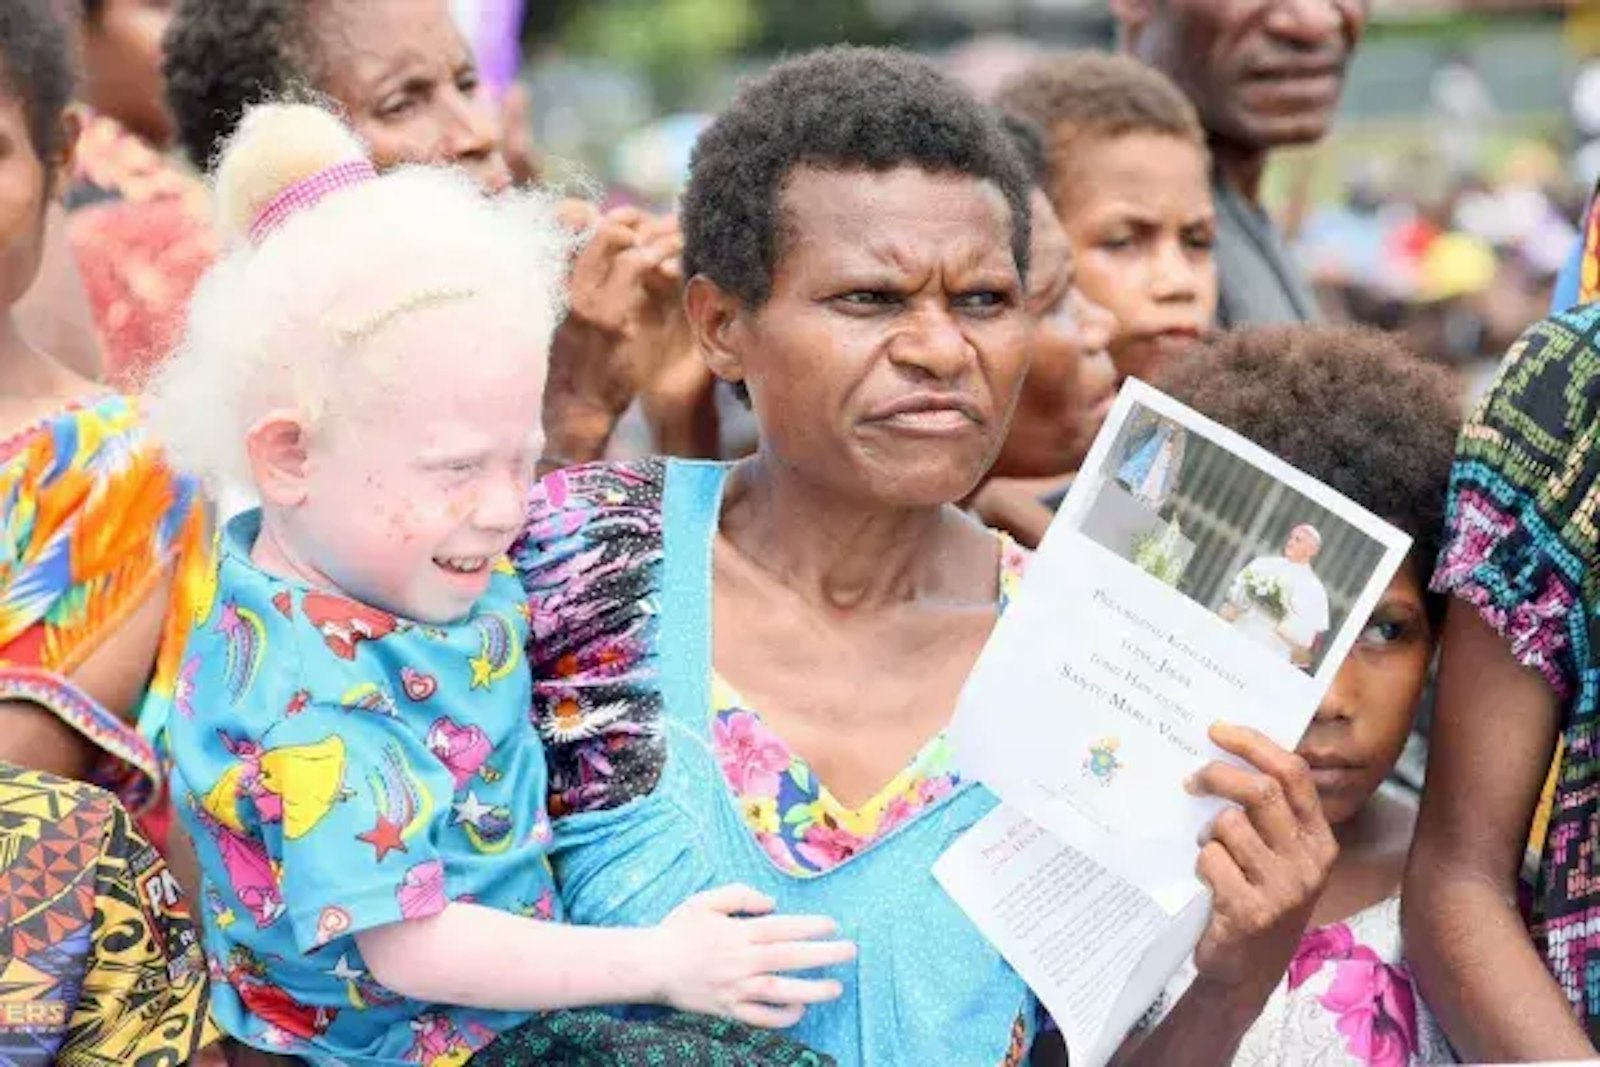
717, 320
70, 125
278, 448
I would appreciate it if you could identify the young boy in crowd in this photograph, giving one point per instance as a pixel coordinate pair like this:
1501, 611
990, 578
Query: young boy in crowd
1127, 175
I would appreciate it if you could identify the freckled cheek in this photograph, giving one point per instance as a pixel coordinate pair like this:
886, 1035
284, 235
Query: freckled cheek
402, 524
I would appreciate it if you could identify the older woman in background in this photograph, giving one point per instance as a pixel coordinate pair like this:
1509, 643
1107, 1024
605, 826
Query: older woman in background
746, 671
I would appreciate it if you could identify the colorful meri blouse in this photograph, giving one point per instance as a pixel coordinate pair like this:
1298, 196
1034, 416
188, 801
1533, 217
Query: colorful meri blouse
98, 962
664, 782
91, 525
140, 228
1347, 1001
1523, 547
340, 769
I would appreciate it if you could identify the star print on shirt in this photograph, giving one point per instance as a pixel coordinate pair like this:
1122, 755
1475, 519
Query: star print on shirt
384, 839
471, 810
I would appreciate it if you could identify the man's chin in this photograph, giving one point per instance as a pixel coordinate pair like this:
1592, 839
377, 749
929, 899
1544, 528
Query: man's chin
1288, 131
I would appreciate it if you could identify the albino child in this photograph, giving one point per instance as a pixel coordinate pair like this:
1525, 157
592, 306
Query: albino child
353, 750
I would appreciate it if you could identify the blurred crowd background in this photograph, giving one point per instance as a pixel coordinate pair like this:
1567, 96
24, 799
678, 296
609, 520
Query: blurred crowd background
1443, 205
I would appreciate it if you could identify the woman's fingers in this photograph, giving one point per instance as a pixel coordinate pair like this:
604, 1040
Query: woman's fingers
1218, 870
1234, 831
1289, 769
1260, 795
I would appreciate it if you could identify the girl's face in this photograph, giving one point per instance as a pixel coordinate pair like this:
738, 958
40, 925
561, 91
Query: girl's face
1365, 718
1138, 211
25, 184
415, 482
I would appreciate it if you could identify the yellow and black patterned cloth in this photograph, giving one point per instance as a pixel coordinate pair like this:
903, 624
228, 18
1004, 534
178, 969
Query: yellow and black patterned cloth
99, 964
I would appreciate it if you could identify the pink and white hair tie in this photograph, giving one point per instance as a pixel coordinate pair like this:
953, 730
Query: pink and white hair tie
308, 191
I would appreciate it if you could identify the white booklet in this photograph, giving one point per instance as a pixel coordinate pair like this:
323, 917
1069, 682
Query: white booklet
1190, 577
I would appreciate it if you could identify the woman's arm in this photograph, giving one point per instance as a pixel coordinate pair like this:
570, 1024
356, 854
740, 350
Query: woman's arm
1494, 731
54, 312
1266, 865
114, 675
700, 959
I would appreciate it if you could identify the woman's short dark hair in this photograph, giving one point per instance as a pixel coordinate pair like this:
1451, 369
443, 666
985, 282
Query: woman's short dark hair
35, 67
1350, 406
221, 56
837, 109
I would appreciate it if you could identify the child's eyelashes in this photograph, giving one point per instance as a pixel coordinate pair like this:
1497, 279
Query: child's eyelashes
1382, 633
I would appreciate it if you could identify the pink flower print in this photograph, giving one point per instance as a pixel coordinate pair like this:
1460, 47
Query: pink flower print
826, 845
1376, 1009
934, 789
545, 907
752, 757
1318, 947
898, 812
778, 852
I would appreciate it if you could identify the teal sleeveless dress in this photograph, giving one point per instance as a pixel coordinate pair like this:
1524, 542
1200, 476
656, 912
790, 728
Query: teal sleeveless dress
617, 564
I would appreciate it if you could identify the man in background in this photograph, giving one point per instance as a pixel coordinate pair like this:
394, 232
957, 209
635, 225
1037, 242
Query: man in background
1263, 74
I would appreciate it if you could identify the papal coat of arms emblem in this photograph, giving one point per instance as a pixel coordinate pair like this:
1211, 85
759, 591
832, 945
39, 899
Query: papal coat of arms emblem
1102, 764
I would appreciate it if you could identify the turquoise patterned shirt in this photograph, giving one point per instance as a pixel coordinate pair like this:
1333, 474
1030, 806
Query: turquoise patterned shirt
340, 769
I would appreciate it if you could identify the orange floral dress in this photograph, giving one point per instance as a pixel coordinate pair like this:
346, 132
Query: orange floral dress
140, 229
91, 523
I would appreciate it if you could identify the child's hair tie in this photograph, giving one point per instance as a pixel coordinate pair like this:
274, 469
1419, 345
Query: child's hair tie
308, 191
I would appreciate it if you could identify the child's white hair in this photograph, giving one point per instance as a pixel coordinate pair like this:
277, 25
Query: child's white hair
277, 324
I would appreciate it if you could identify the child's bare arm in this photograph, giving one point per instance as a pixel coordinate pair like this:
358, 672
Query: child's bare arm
701, 958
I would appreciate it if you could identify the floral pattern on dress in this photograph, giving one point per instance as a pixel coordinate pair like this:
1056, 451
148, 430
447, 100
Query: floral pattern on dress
1373, 1001
800, 825
1347, 999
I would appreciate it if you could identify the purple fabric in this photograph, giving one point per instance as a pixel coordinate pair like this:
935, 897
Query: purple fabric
494, 28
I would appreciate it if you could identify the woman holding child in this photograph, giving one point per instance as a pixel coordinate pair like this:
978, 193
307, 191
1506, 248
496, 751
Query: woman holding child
745, 672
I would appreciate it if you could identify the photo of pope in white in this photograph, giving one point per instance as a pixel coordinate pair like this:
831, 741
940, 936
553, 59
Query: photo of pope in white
1279, 601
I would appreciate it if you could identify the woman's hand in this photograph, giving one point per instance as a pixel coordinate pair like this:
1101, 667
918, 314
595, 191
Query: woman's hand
623, 289
1266, 862
717, 962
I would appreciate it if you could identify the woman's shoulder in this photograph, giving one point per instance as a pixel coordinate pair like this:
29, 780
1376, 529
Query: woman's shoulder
93, 459
597, 489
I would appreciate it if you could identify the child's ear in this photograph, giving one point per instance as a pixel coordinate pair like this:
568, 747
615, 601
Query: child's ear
277, 447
